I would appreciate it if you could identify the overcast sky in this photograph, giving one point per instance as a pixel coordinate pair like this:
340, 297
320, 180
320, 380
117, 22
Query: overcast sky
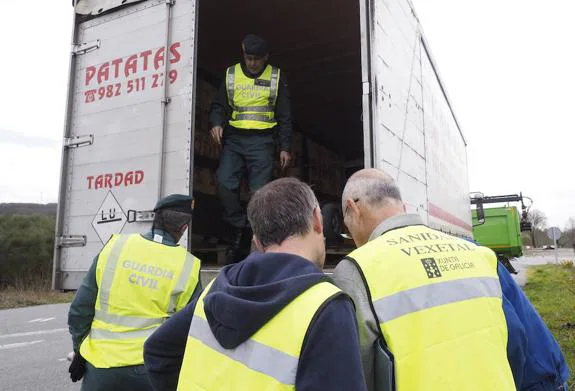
508, 65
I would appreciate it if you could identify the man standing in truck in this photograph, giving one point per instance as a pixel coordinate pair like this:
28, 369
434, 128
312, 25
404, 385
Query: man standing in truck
134, 285
251, 108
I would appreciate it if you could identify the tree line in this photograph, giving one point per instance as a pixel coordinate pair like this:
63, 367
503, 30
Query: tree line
539, 236
26, 248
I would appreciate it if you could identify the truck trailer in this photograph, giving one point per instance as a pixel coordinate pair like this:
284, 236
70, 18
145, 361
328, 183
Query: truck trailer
365, 92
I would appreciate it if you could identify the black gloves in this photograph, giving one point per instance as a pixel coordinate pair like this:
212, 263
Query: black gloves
77, 367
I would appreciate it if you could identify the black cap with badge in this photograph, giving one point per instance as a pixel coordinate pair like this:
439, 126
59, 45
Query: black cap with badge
254, 45
176, 202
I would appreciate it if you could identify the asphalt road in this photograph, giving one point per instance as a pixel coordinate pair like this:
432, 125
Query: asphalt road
538, 257
34, 342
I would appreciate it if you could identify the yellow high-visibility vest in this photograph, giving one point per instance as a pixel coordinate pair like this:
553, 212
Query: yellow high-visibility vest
438, 302
266, 361
253, 101
140, 284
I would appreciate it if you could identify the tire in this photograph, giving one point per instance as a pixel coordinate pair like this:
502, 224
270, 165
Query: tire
332, 222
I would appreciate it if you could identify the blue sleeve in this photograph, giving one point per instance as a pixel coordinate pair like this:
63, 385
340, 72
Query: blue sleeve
164, 349
516, 342
544, 361
82, 310
330, 357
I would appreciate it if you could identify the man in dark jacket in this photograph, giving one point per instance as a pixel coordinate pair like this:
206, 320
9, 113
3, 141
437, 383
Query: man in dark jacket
233, 332
250, 109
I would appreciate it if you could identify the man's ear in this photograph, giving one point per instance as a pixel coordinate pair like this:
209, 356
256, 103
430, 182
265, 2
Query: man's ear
258, 244
351, 206
317, 222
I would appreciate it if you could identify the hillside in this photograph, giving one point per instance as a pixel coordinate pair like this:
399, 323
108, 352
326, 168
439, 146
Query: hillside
24, 209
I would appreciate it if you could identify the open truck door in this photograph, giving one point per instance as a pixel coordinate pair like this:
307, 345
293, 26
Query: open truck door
127, 138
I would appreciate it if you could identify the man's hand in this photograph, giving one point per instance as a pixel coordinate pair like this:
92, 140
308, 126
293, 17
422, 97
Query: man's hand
217, 133
285, 158
77, 367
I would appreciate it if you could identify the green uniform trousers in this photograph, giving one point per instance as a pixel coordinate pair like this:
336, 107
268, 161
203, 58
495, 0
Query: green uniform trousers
243, 153
116, 379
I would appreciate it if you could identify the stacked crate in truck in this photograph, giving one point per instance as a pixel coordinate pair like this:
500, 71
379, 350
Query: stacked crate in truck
204, 147
325, 170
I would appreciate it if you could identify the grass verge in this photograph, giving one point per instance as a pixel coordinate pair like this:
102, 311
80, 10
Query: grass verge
14, 298
551, 289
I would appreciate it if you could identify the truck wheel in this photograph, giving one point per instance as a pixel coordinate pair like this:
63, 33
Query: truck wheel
332, 222
505, 261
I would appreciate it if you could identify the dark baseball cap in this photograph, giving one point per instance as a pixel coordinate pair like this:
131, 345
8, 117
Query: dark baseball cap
254, 45
176, 202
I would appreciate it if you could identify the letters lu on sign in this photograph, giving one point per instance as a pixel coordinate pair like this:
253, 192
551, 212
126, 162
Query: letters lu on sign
110, 218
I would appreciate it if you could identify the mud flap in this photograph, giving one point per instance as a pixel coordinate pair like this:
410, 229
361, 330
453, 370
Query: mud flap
508, 265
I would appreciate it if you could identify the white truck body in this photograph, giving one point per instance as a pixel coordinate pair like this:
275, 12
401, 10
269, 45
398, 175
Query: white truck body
129, 134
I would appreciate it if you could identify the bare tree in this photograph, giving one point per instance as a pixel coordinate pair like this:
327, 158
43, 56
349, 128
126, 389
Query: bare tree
537, 219
538, 222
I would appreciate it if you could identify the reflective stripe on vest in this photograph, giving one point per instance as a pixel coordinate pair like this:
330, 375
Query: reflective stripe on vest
254, 355
267, 360
127, 321
111, 335
438, 302
429, 296
255, 108
141, 283
254, 117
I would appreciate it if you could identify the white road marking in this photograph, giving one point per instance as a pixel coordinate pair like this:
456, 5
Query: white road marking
20, 344
29, 333
62, 359
39, 320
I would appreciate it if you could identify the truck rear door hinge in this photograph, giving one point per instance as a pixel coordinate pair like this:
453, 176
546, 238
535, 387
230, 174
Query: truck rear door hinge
71, 241
85, 47
140, 216
78, 141
365, 88
171, 2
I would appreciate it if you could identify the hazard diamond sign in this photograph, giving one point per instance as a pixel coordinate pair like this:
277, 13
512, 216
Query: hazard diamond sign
110, 218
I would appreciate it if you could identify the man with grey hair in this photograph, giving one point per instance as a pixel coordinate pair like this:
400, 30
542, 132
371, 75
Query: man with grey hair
273, 321
435, 311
